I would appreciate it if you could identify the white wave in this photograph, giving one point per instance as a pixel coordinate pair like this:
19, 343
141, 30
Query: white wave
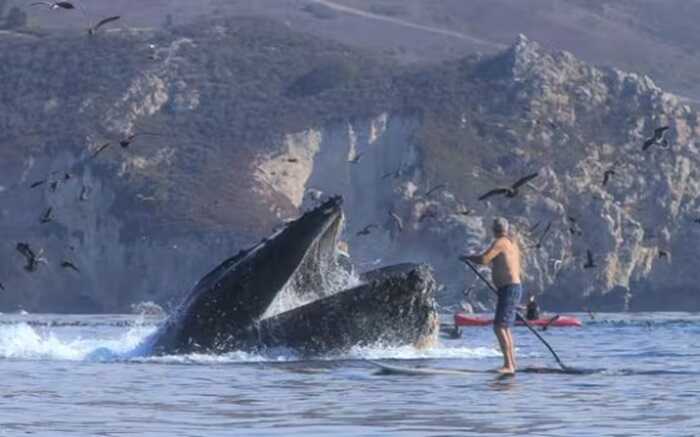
24, 342
21, 341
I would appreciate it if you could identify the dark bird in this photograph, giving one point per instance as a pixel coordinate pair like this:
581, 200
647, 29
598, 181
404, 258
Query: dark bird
657, 139
69, 265
465, 212
292, 160
435, 189
395, 174
574, 228
511, 191
37, 183
366, 230
47, 216
397, 220
542, 237
55, 5
33, 259
99, 150
126, 142
355, 159
101, 23
84, 194
664, 254
429, 214
590, 263
610, 172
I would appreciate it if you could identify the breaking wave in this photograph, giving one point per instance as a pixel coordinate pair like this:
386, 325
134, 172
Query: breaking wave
24, 342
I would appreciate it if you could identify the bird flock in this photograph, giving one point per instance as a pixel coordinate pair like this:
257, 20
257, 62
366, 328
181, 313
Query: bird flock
34, 257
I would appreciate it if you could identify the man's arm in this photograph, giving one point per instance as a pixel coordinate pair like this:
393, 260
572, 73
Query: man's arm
488, 256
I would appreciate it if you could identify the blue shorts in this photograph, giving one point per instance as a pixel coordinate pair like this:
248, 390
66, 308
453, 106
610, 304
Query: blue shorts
508, 300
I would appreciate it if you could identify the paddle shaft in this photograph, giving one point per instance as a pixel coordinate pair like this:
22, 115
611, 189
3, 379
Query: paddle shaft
518, 315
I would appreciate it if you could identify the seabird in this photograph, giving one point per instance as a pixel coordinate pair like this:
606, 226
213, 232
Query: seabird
99, 150
55, 5
126, 142
355, 159
37, 183
429, 214
664, 254
511, 191
542, 237
101, 23
33, 259
435, 189
590, 263
47, 216
293, 160
657, 139
465, 211
366, 230
70, 265
609, 173
397, 220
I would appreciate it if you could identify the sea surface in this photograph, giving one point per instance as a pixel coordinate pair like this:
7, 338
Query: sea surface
86, 375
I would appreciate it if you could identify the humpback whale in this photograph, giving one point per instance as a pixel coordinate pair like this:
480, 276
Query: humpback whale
289, 290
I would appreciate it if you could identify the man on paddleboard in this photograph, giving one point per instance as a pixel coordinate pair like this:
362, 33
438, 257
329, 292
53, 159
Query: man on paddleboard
504, 257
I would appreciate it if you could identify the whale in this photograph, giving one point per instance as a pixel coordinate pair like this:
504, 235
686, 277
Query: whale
290, 290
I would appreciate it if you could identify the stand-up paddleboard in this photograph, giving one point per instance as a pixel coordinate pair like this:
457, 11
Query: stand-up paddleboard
388, 369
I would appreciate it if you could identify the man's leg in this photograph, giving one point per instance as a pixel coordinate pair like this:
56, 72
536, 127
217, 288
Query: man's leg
503, 342
511, 348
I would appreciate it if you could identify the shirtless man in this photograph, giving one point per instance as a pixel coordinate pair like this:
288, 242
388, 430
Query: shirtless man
504, 257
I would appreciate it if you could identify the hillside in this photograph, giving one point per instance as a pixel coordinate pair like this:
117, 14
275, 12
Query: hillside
240, 116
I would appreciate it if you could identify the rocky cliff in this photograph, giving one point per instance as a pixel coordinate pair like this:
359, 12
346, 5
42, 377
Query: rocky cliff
239, 122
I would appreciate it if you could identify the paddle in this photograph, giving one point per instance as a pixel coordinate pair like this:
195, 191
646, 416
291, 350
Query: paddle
521, 318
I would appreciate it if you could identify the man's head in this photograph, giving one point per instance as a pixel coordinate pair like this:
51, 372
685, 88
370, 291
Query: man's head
500, 227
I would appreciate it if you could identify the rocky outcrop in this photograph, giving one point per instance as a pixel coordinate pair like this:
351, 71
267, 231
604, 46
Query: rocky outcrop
237, 154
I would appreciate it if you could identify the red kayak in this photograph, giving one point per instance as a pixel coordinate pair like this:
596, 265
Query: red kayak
561, 321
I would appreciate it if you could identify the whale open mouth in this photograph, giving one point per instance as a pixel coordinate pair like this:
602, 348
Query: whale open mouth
293, 282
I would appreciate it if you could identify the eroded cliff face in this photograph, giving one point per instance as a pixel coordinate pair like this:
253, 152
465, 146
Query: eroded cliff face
567, 120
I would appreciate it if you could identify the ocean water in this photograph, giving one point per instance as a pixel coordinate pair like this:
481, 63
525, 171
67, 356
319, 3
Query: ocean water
86, 375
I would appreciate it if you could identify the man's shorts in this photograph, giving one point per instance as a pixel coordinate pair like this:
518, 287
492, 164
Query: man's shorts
508, 300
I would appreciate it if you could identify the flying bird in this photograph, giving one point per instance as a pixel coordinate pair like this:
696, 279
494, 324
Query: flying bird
47, 216
37, 183
657, 139
55, 5
99, 150
511, 191
397, 220
610, 172
126, 142
542, 237
92, 30
70, 265
590, 263
395, 174
435, 189
429, 214
355, 159
366, 230
33, 259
